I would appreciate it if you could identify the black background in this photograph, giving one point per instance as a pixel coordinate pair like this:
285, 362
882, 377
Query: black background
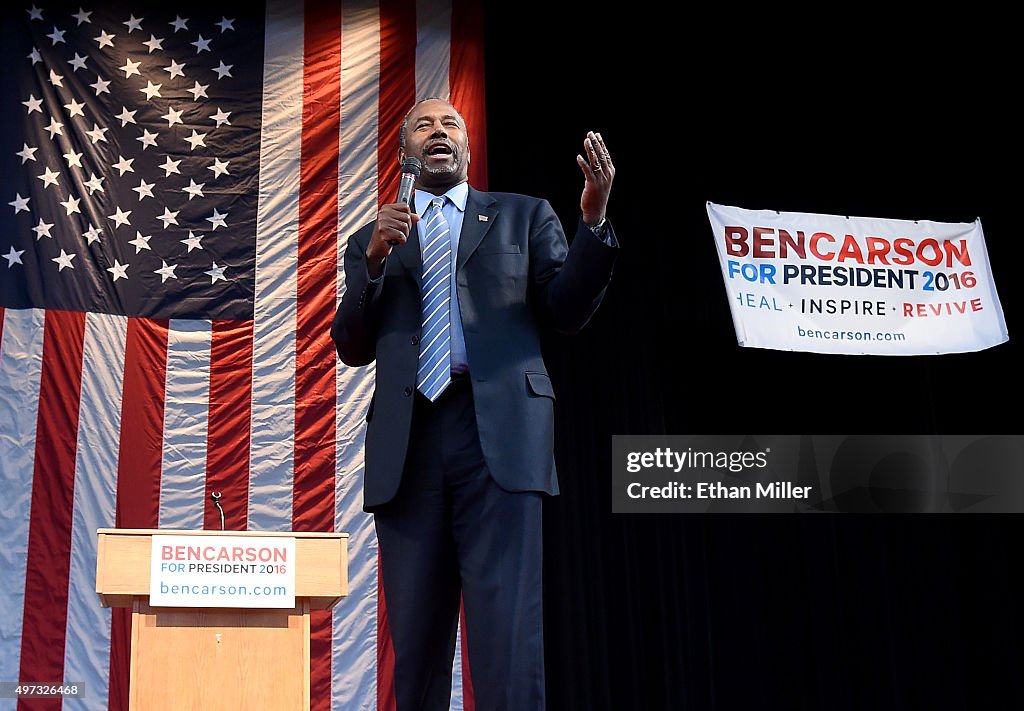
855, 114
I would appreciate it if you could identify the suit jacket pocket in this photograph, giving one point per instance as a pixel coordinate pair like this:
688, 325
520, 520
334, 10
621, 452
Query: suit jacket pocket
499, 249
540, 384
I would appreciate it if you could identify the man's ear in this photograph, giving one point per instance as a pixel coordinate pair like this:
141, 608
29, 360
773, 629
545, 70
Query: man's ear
401, 156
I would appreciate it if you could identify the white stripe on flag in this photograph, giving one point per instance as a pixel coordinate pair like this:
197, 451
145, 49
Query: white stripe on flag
354, 639
87, 635
433, 48
186, 419
272, 470
21, 365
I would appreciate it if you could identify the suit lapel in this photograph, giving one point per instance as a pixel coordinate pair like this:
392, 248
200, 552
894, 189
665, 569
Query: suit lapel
480, 213
410, 255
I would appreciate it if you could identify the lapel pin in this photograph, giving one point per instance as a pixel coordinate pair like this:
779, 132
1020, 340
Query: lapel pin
482, 218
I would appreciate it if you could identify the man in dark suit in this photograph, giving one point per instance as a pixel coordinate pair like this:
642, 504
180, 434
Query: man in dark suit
459, 439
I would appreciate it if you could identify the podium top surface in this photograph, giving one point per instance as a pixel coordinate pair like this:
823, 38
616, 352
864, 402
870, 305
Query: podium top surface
194, 532
123, 563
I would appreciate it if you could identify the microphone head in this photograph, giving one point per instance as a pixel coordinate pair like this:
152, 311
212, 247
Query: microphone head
412, 166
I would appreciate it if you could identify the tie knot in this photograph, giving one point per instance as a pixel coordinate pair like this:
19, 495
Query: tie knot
437, 202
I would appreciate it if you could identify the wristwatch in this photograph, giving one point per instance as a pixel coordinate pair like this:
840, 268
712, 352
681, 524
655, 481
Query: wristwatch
600, 228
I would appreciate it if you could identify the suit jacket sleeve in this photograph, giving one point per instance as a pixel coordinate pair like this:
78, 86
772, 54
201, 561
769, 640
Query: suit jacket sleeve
355, 323
569, 281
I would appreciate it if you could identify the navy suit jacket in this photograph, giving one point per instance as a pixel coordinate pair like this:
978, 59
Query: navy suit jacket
515, 275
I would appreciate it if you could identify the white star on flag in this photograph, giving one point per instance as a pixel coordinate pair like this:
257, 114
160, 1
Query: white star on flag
35, 104
120, 217
223, 70
141, 241
27, 153
152, 90
97, 134
145, 189
219, 167
216, 273
20, 203
77, 63
43, 229
74, 160
56, 128
120, 271
126, 116
130, 68
14, 257
148, 139
94, 183
175, 69
124, 165
193, 242
75, 108
92, 234
100, 85
166, 272
71, 205
221, 117
154, 43
170, 166
198, 90
196, 139
194, 189
64, 260
105, 39
133, 23
217, 219
173, 116
168, 218
49, 177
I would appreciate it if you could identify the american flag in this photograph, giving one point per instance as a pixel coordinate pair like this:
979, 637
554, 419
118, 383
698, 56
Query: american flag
180, 180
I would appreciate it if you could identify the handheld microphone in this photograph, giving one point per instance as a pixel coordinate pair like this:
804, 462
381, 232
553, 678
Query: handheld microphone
410, 171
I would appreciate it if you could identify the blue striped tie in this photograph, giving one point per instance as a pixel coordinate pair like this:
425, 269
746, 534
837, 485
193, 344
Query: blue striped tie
435, 368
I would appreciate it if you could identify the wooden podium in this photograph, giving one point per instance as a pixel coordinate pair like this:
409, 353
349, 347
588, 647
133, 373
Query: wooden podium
219, 658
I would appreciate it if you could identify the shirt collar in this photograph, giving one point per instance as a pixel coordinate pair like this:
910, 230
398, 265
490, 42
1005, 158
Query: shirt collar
458, 196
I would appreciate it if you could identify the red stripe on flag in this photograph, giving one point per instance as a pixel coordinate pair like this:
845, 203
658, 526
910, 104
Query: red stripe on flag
229, 432
53, 486
468, 695
466, 82
2, 312
397, 90
316, 286
139, 465
397, 93
386, 700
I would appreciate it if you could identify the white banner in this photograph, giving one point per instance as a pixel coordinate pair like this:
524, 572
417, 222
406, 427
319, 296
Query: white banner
222, 571
856, 285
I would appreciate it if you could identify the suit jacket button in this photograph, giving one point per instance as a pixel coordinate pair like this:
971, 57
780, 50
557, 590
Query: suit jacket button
414, 340
408, 391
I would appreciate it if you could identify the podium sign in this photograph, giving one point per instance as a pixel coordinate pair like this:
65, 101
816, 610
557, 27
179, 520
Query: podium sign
220, 657
223, 571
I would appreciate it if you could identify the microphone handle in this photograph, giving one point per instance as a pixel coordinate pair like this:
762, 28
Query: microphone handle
404, 194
